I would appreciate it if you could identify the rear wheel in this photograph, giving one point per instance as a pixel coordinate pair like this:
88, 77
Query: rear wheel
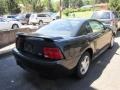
83, 65
15, 26
41, 23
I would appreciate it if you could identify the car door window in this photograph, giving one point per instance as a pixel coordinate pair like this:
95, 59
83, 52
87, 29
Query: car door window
85, 28
96, 26
41, 15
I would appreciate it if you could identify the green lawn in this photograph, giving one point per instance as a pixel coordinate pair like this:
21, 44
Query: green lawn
86, 14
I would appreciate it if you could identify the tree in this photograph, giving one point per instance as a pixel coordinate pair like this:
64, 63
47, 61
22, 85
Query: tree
75, 3
3, 8
36, 5
13, 7
114, 5
66, 3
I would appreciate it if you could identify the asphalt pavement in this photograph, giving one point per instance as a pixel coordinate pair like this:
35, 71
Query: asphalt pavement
103, 75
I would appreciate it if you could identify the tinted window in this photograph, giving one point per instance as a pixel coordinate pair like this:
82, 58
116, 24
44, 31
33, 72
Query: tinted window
83, 30
88, 28
60, 28
96, 26
41, 15
11, 16
101, 15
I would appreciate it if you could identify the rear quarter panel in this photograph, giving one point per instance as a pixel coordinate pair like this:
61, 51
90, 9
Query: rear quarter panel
73, 48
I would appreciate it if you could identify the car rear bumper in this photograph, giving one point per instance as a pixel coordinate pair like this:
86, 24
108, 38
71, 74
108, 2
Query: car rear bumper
33, 22
43, 67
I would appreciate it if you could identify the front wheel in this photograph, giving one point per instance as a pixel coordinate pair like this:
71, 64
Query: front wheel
41, 23
15, 26
83, 65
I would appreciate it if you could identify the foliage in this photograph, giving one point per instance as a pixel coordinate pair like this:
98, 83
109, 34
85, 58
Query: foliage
75, 3
13, 7
3, 8
114, 5
71, 10
32, 5
55, 6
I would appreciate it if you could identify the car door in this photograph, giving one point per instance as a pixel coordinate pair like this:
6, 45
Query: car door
101, 36
4, 24
49, 18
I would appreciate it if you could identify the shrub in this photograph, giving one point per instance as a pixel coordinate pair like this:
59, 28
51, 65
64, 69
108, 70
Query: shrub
71, 10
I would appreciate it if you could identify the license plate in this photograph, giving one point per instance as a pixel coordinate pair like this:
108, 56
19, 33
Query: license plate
28, 47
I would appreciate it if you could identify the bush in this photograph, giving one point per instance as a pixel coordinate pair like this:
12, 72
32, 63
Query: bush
71, 10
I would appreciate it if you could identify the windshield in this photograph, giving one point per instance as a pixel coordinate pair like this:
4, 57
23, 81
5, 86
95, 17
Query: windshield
20, 17
101, 15
60, 28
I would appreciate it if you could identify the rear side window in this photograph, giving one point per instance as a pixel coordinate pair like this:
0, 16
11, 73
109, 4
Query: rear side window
84, 29
96, 26
41, 15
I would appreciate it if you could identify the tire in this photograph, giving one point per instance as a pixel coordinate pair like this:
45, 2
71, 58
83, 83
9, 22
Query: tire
82, 70
15, 26
111, 42
40, 22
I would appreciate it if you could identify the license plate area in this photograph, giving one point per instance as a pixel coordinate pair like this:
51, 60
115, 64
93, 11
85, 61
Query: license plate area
28, 47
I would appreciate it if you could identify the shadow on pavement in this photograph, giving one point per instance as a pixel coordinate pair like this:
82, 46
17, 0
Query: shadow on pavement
68, 83
5, 54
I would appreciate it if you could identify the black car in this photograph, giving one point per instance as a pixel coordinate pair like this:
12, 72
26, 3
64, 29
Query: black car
63, 46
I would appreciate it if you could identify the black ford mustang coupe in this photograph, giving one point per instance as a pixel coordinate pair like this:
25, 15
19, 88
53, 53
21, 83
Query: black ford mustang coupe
63, 46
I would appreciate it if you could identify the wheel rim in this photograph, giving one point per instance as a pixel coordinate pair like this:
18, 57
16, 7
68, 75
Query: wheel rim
40, 23
85, 65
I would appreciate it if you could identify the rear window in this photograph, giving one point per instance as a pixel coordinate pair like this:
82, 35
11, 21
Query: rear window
101, 15
11, 16
60, 28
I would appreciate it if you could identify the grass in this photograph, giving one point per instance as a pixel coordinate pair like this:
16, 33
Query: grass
86, 14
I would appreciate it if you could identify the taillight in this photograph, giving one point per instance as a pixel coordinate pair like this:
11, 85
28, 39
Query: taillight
52, 53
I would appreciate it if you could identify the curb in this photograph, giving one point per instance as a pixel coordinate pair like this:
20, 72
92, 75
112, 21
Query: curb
6, 50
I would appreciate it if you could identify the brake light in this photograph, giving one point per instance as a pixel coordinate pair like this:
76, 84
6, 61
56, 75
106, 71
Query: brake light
52, 53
